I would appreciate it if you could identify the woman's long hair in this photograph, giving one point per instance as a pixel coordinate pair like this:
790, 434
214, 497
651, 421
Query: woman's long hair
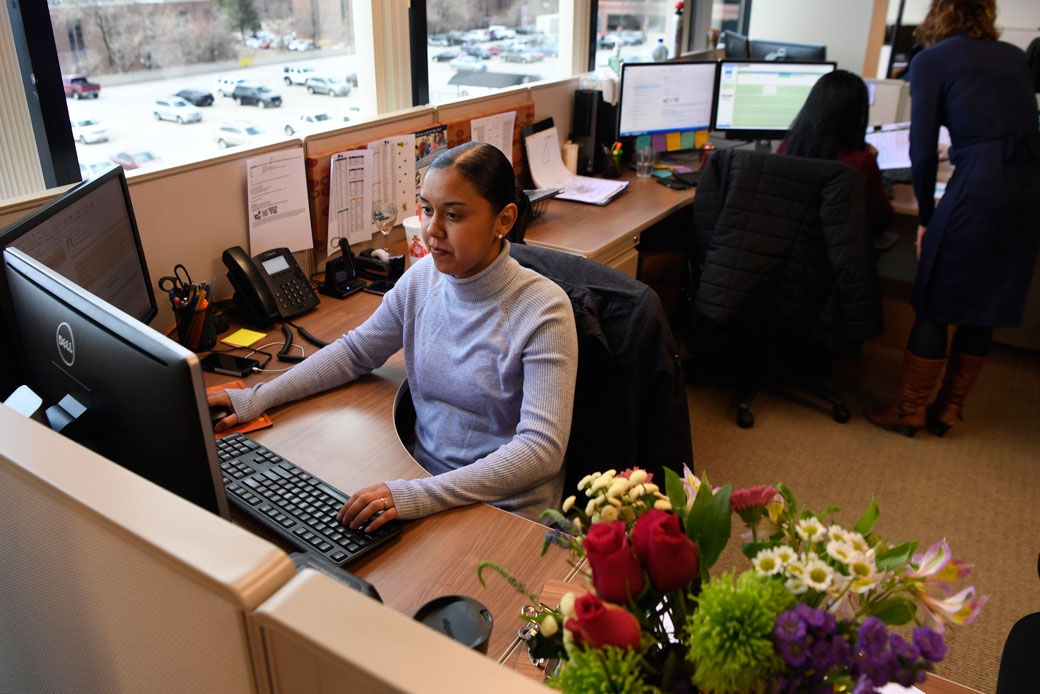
947, 17
832, 120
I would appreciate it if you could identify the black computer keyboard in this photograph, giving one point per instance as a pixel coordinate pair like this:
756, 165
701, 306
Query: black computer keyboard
293, 503
898, 175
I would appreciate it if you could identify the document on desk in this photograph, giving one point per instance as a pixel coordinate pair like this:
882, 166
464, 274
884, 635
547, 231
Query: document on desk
549, 171
279, 215
350, 197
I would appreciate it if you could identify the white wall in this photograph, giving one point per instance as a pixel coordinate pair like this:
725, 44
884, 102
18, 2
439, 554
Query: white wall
842, 25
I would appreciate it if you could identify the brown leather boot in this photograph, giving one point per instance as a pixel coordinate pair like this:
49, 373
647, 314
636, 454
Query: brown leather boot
960, 376
907, 412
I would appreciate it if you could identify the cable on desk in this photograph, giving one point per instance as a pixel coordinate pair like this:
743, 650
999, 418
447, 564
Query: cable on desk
283, 353
317, 342
269, 356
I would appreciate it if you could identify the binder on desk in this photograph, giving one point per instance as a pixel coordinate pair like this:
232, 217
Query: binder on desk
549, 171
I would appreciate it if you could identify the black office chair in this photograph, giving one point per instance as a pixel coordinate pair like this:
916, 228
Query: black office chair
1019, 667
780, 273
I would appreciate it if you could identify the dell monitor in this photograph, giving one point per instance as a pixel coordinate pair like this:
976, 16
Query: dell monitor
735, 45
112, 383
665, 97
759, 100
764, 49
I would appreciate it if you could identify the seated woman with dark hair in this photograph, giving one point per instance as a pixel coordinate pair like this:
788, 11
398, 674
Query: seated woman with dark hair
832, 125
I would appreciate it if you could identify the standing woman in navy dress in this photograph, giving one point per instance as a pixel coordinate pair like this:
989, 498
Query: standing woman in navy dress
977, 248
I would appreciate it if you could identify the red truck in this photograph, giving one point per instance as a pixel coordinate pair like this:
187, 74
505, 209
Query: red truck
79, 87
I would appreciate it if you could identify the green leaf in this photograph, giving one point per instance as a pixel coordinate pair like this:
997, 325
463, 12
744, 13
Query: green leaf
709, 523
789, 500
894, 611
829, 510
897, 556
750, 549
866, 523
676, 494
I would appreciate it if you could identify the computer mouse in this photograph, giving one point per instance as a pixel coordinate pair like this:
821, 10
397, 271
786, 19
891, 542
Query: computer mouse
218, 412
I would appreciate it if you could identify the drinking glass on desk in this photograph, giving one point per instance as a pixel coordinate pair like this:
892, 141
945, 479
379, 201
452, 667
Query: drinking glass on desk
646, 157
384, 214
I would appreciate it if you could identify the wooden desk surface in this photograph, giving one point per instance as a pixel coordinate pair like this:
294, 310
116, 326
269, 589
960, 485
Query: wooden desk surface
347, 437
592, 231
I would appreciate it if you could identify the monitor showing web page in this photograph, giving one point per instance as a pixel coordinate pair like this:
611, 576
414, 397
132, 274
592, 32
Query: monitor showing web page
762, 99
665, 97
892, 142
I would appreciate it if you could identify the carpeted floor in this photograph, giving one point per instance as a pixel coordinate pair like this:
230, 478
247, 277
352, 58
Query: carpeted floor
978, 487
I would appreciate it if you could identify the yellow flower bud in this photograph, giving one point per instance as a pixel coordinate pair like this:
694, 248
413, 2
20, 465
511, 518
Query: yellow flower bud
568, 503
619, 487
609, 514
591, 507
600, 483
585, 481
577, 524
567, 605
549, 626
614, 501
651, 488
637, 477
663, 505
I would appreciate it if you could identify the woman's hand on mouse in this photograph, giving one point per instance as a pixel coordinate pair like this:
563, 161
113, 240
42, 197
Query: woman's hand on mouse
367, 502
220, 398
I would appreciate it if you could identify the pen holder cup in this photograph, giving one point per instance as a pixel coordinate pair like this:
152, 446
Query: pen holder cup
195, 329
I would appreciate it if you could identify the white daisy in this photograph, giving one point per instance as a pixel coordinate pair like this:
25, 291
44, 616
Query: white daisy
838, 533
842, 551
818, 574
810, 529
858, 542
766, 563
796, 586
784, 554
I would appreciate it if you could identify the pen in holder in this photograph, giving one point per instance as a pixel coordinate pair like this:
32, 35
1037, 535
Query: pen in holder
195, 329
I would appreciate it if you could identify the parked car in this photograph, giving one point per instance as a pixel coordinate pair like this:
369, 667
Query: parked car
477, 52
296, 75
499, 32
439, 40
467, 63
302, 45
258, 94
135, 159
478, 36
306, 122
239, 132
226, 85
88, 130
87, 171
196, 97
80, 87
520, 55
327, 85
447, 55
633, 38
176, 109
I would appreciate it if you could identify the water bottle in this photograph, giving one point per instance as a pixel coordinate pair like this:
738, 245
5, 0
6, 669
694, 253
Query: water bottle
660, 53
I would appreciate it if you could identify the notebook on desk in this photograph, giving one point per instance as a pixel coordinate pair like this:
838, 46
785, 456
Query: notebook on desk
549, 171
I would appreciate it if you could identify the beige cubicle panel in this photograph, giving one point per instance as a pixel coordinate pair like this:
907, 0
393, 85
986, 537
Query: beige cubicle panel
320, 637
110, 583
555, 100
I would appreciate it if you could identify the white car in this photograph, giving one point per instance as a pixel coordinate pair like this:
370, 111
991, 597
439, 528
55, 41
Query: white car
88, 130
231, 133
176, 109
307, 122
467, 63
226, 85
296, 75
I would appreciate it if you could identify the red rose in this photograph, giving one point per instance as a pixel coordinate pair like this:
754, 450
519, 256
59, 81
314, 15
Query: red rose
668, 555
598, 625
616, 572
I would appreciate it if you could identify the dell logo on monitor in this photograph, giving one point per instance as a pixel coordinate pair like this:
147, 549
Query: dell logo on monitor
66, 344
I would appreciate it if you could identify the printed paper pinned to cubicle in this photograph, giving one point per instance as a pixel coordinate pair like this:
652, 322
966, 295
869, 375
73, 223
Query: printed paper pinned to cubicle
350, 198
429, 144
495, 130
393, 174
278, 211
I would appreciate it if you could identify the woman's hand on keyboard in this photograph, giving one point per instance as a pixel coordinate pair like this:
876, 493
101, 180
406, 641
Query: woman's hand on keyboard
366, 503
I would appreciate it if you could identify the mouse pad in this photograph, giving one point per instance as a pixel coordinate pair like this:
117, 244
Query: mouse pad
261, 422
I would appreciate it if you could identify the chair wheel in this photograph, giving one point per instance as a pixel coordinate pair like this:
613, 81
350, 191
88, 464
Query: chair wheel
745, 418
842, 414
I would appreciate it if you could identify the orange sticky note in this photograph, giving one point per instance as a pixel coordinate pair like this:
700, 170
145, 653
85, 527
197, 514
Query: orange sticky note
700, 138
674, 141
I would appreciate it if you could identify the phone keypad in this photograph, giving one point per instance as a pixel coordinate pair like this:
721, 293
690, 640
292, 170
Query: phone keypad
294, 295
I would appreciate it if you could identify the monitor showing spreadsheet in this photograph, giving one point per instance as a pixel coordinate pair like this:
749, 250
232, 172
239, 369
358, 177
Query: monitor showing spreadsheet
665, 97
760, 99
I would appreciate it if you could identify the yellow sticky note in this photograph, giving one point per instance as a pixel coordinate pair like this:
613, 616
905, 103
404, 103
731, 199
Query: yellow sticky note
243, 338
700, 138
674, 141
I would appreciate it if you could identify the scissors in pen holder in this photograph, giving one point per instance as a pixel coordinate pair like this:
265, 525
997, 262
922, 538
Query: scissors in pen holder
178, 284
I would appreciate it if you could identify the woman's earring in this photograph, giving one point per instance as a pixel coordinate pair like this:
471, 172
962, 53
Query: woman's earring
500, 236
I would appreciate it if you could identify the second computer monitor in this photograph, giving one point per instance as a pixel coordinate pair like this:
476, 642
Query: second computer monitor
665, 97
760, 99
764, 49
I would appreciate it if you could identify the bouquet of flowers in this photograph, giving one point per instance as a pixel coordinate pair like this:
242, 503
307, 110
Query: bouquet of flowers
810, 614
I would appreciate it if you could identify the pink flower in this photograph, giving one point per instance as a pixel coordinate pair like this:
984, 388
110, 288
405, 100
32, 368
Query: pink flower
627, 474
756, 497
937, 563
942, 607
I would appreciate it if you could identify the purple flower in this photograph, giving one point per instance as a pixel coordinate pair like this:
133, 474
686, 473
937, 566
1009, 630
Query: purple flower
830, 623
907, 652
873, 636
841, 652
822, 655
905, 675
794, 653
815, 618
789, 627
930, 644
863, 686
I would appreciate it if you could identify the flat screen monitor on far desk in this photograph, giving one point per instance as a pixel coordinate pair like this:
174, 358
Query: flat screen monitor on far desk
759, 100
665, 97
764, 49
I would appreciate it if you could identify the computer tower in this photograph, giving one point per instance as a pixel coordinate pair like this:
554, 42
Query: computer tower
594, 129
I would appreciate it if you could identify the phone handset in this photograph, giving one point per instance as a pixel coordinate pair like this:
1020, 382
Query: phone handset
270, 285
251, 292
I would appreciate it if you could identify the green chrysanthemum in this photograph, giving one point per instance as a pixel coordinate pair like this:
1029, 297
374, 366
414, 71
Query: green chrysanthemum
729, 643
608, 670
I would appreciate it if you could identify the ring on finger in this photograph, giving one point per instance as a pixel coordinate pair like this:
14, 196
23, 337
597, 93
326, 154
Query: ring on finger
385, 505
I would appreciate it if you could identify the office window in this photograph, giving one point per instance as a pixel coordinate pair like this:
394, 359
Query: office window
635, 31
141, 51
475, 48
